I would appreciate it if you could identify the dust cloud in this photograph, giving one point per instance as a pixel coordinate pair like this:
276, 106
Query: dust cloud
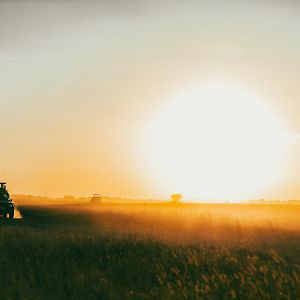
18, 214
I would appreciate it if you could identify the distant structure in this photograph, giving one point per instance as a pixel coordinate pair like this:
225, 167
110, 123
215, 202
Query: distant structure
96, 199
176, 198
69, 198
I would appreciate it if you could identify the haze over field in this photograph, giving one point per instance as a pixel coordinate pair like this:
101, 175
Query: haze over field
146, 98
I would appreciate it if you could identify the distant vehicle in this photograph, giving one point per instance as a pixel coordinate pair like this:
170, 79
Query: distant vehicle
96, 199
7, 206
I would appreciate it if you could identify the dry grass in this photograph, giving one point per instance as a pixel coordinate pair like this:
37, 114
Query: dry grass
151, 251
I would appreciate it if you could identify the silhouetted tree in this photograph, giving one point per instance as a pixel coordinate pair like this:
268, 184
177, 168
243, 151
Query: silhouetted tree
175, 198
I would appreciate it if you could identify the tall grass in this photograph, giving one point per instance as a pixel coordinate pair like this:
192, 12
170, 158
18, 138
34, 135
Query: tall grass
113, 253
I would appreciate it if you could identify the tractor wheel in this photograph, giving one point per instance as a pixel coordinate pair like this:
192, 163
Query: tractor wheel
11, 214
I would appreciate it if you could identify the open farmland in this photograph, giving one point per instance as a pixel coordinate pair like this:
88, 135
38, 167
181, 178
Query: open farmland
151, 251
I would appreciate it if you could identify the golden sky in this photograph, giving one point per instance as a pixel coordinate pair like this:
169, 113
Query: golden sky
80, 80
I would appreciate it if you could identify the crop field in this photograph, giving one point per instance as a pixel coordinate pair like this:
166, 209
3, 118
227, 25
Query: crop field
151, 251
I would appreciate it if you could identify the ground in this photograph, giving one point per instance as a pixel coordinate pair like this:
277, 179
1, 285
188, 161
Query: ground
151, 251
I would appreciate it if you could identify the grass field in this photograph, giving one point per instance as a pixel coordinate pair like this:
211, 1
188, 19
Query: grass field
151, 251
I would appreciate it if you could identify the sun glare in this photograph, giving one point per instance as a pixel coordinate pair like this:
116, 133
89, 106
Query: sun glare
218, 142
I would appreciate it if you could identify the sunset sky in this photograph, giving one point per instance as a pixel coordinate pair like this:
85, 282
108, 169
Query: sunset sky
81, 82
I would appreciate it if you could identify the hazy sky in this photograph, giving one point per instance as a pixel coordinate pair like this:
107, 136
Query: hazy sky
80, 79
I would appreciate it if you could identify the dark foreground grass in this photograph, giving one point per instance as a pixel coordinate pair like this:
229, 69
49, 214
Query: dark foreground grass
41, 263
150, 252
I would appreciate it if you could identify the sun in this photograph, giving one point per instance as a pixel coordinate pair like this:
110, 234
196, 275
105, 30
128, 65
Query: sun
217, 141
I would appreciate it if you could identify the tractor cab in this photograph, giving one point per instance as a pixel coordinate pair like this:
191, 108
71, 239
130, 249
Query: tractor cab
7, 206
4, 195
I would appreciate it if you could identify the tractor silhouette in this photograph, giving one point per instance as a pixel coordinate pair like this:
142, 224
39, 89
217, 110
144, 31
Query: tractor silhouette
96, 199
7, 206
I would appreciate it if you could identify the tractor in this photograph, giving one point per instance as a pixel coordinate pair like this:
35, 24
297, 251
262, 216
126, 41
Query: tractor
7, 206
96, 199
